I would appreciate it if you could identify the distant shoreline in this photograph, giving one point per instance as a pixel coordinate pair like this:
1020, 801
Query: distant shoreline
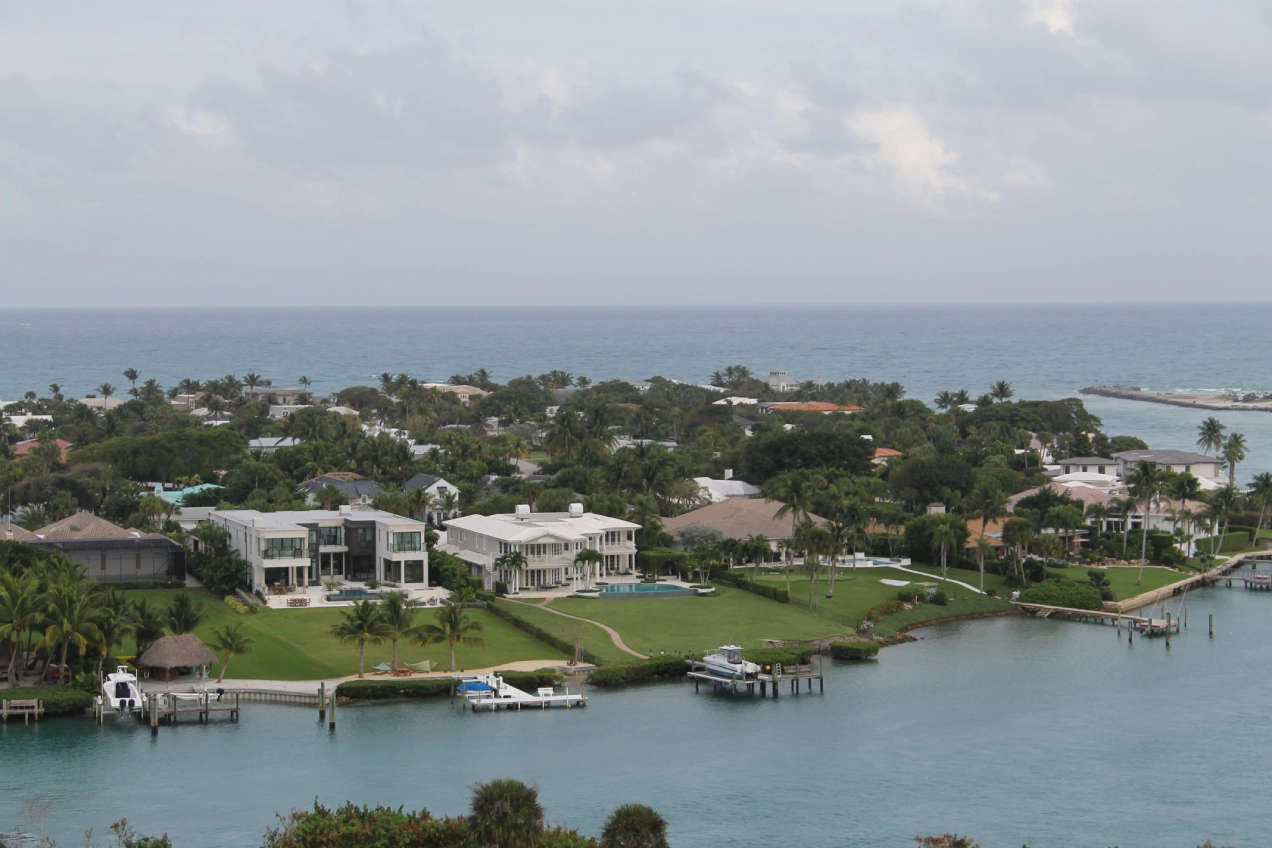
1196, 401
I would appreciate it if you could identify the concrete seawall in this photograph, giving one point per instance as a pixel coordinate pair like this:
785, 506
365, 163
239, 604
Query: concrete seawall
1215, 402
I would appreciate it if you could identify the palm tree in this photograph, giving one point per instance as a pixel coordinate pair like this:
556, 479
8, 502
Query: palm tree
70, 616
147, 625
1261, 493
131, 375
634, 826
305, 383
944, 400
399, 620
251, 379
795, 493
449, 504
19, 612
363, 624
815, 541
229, 642
987, 503
944, 536
505, 813
758, 548
105, 390
1234, 451
115, 622
1210, 435
1145, 485
1125, 509
184, 614
513, 562
586, 559
839, 534
453, 627
1001, 391
1018, 533
1224, 502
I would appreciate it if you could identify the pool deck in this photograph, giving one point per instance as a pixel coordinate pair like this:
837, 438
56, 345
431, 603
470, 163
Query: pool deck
317, 596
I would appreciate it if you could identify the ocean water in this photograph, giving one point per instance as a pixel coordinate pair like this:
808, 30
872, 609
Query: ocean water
1016, 731
1045, 351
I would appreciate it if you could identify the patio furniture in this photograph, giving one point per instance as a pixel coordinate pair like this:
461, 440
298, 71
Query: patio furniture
383, 668
402, 672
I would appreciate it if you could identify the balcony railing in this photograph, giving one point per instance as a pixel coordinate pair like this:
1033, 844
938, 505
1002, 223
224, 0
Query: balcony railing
294, 553
406, 547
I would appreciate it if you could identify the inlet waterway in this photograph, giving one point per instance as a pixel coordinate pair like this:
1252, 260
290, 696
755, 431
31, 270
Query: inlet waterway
1014, 730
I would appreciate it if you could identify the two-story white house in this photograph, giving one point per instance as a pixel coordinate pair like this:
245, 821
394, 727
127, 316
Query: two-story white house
305, 548
1203, 467
549, 541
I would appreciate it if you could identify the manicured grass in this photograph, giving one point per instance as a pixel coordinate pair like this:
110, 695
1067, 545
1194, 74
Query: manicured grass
1122, 579
731, 616
595, 640
969, 576
890, 625
855, 592
296, 644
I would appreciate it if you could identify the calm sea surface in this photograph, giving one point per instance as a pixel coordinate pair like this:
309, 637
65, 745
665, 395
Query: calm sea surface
1044, 351
1047, 732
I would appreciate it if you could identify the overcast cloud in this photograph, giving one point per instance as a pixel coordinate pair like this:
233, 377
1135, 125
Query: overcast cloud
596, 151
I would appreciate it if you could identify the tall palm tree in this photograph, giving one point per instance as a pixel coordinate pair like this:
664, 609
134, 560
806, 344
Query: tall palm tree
362, 624
758, 547
587, 559
71, 614
944, 537
986, 503
131, 375
634, 826
1234, 451
1261, 494
505, 813
815, 541
840, 534
449, 504
105, 390
944, 400
794, 492
454, 627
251, 379
115, 622
1001, 391
229, 642
1145, 485
1210, 435
513, 562
1224, 502
399, 620
19, 612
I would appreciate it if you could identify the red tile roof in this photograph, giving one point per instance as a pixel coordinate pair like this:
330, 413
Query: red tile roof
812, 406
22, 449
885, 453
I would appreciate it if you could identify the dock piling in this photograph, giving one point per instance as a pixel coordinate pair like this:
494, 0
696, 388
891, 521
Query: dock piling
322, 701
1212, 625
331, 714
154, 715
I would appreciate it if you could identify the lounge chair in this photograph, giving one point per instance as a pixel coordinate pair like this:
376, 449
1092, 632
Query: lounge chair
383, 668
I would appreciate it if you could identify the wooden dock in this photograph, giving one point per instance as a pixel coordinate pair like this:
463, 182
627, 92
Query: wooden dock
164, 707
24, 708
1145, 624
780, 674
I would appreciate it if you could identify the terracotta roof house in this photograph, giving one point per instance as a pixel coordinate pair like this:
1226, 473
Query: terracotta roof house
882, 455
21, 449
110, 552
738, 518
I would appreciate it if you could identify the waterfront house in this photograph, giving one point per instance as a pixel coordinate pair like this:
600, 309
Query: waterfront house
779, 381
1088, 465
1204, 468
716, 491
464, 394
737, 518
823, 407
356, 490
438, 488
281, 411
111, 553
302, 548
281, 397
549, 542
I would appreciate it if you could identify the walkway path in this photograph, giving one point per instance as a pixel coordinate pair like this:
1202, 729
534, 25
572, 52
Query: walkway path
613, 634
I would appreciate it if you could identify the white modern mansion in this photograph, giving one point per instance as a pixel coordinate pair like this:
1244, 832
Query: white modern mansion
549, 542
305, 548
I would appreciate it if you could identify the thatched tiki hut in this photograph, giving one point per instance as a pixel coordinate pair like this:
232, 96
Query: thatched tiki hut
167, 657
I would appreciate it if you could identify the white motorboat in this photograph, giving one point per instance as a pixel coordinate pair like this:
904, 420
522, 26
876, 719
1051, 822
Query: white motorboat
728, 662
120, 690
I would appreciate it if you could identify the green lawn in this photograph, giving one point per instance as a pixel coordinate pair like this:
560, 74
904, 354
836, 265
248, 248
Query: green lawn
731, 616
1122, 579
295, 644
966, 604
969, 576
595, 639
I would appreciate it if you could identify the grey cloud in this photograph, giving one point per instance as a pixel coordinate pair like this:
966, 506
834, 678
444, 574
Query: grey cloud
81, 136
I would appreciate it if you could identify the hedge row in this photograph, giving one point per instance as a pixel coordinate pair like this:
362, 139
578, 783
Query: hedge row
762, 589
854, 650
1058, 592
436, 687
58, 700
878, 611
656, 668
130, 585
508, 613
792, 655
1230, 541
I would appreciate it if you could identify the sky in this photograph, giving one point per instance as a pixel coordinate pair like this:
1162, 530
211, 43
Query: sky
610, 152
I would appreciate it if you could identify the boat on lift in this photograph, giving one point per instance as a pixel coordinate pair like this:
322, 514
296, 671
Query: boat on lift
728, 662
120, 690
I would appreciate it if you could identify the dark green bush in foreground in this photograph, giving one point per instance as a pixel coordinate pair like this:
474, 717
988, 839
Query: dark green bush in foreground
634, 672
1057, 592
788, 656
58, 700
436, 687
854, 650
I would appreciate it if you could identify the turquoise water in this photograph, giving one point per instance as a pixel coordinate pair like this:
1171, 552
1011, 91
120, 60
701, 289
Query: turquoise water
646, 589
1047, 732
1045, 351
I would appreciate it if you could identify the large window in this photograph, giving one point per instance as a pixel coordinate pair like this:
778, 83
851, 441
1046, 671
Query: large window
542, 550
331, 535
613, 537
414, 571
406, 542
289, 548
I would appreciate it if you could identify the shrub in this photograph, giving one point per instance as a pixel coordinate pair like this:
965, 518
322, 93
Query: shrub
130, 585
58, 700
909, 596
878, 611
507, 611
236, 605
384, 690
528, 681
1058, 592
656, 668
939, 598
1229, 542
351, 825
854, 650
501, 588
792, 655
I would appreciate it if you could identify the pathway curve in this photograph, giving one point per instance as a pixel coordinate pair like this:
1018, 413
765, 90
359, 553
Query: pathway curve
935, 577
613, 634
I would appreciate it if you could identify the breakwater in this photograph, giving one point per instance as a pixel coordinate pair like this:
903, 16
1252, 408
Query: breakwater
1194, 401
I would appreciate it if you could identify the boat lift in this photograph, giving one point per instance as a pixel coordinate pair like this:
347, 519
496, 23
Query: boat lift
490, 692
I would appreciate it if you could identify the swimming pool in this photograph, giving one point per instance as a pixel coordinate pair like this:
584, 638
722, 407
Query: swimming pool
646, 590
